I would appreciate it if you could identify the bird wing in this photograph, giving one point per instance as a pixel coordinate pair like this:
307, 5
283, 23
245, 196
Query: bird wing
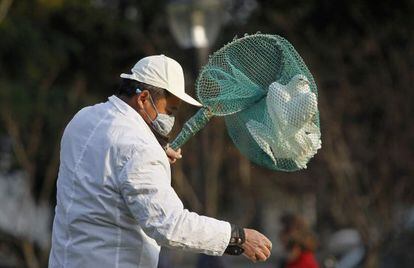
301, 109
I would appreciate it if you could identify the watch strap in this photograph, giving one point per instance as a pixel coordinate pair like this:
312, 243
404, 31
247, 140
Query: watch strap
237, 238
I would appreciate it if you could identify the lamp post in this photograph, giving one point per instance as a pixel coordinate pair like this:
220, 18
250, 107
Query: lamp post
195, 25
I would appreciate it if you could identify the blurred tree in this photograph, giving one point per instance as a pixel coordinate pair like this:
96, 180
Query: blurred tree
361, 54
4, 8
55, 57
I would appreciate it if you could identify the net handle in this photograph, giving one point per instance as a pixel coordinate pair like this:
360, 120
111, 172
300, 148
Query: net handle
191, 127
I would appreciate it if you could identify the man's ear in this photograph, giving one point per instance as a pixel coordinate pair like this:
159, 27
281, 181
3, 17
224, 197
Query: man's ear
142, 98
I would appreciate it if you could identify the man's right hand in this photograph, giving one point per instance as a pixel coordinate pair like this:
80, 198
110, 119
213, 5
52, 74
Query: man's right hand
256, 247
172, 154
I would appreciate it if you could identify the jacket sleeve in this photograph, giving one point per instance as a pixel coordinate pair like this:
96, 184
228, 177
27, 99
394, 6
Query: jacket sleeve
146, 188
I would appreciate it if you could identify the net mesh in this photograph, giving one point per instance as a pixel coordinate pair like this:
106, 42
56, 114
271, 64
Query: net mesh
268, 97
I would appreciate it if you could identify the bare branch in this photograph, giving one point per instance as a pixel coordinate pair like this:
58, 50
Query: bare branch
38, 122
13, 131
30, 254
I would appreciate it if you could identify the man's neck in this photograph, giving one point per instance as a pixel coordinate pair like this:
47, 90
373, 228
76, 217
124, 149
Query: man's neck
129, 101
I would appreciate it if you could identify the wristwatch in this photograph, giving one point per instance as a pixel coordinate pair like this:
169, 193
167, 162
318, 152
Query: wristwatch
236, 240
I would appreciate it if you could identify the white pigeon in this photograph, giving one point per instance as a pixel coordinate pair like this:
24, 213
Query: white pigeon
291, 134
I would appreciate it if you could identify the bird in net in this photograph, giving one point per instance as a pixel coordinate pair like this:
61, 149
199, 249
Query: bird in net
268, 98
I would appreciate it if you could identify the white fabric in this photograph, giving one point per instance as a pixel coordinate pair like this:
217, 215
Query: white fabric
164, 72
292, 134
115, 204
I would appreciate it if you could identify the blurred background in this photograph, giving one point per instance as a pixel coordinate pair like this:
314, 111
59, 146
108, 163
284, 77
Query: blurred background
352, 207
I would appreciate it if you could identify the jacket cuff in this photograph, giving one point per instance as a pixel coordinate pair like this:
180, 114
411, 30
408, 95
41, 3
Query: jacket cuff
225, 233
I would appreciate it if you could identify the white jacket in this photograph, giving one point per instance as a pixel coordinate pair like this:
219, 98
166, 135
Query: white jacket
115, 204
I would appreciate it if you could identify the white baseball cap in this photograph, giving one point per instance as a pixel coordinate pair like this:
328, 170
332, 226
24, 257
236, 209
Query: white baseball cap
163, 72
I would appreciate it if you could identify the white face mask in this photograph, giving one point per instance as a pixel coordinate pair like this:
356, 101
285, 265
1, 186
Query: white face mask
163, 123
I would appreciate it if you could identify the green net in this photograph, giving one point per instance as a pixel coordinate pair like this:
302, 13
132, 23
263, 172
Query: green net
268, 97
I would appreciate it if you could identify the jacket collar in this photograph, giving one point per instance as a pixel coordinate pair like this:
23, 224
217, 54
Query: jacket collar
123, 107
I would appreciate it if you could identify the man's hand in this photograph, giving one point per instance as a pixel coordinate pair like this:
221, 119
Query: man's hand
173, 155
256, 247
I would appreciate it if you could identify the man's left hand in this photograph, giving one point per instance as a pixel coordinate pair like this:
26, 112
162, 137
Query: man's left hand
173, 155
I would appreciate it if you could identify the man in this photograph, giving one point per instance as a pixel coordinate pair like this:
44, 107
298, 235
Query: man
115, 204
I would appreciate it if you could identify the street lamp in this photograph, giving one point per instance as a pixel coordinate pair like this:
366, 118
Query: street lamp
195, 25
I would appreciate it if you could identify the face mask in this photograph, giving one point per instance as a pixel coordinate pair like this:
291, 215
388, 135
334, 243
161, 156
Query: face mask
163, 123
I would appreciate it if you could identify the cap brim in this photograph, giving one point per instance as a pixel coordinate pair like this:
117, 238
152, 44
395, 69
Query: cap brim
128, 76
188, 99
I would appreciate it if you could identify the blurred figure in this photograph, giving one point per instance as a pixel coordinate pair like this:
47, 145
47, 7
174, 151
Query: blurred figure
346, 248
298, 241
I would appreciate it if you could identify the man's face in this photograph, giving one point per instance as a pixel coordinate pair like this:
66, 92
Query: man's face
165, 105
